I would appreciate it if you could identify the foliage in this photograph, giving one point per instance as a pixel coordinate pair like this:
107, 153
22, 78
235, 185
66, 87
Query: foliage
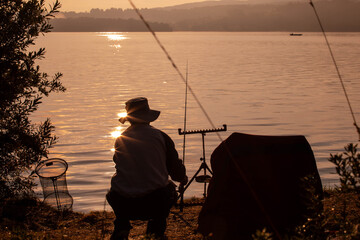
345, 217
262, 235
342, 214
314, 224
347, 166
22, 86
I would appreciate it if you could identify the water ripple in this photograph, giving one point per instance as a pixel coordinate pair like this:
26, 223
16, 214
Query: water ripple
256, 83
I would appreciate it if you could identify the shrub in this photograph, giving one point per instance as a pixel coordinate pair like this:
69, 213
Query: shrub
347, 165
22, 86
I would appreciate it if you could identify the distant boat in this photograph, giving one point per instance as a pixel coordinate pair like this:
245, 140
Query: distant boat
295, 34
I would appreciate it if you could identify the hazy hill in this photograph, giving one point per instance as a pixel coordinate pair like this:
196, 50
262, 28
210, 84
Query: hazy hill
87, 24
228, 2
284, 15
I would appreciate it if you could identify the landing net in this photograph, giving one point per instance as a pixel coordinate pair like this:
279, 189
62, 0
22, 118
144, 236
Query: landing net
52, 174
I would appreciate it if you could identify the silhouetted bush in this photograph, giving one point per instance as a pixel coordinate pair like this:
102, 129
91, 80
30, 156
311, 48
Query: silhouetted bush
22, 86
347, 165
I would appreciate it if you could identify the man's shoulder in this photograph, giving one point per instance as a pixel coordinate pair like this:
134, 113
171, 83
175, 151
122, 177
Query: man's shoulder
158, 130
167, 138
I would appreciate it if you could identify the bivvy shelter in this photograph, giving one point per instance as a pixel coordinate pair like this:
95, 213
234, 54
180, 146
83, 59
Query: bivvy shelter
259, 182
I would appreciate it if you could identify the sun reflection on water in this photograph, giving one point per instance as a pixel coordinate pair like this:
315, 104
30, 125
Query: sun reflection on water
118, 130
114, 37
122, 114
116, 134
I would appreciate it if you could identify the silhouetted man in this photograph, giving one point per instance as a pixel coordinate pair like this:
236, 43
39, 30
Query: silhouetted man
144, 158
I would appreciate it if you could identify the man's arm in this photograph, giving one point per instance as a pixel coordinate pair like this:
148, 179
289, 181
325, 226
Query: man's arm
174, 165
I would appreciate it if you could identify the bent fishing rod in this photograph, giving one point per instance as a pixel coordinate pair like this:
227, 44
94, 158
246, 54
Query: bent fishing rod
336, 67
242, 174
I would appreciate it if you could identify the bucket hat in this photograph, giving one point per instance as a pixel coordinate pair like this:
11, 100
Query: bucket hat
138, 110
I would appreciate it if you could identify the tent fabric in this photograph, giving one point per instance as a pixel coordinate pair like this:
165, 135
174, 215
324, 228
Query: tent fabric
260, 184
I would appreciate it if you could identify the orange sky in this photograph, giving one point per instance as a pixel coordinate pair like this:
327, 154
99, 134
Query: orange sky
87, 5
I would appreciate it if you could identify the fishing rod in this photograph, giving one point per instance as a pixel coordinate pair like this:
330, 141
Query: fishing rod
173, 64
238, 168
185, 109
336, 67
182, 187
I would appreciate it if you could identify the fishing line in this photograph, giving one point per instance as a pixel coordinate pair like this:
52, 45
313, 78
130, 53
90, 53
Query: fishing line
174, 65
242, 174
336, 67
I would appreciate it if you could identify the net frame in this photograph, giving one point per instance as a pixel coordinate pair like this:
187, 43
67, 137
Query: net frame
52, 175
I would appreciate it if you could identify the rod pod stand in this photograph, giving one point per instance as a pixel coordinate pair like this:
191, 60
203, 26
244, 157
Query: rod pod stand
202, 178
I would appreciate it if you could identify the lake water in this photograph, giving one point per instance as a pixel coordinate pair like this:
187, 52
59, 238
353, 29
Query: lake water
256, 83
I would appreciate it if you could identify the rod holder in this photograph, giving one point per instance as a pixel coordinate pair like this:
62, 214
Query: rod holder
202, 178
224, 128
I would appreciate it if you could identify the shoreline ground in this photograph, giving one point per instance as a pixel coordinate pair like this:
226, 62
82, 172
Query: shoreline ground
43, 222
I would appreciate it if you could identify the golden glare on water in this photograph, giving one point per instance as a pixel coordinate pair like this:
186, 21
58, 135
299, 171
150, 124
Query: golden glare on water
122, 114
116, 46
114, 36
116, 134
